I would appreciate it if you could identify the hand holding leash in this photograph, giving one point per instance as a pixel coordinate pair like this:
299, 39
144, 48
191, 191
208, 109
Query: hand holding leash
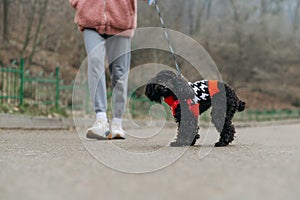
151, 2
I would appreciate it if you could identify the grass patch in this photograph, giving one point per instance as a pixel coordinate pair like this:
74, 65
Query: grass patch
33, 110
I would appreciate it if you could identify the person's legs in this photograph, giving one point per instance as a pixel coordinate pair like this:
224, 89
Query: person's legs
118, 53
95, 48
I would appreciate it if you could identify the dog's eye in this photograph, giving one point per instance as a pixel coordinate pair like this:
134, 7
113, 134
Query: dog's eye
159, 87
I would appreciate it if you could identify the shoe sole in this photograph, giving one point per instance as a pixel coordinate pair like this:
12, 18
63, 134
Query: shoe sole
92, 135
117, 137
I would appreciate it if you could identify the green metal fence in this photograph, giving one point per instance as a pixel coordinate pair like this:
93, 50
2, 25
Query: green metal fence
81, 103
11, 83
19, 87
42, 90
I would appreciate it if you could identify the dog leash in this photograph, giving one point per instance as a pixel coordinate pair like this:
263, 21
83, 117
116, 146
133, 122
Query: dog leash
167, 37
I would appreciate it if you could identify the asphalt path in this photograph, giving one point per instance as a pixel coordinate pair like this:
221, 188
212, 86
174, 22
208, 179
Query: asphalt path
262, 163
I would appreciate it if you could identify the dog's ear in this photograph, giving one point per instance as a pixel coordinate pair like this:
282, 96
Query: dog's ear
152, 93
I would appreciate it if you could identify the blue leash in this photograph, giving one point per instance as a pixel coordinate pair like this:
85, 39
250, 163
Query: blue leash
167, 37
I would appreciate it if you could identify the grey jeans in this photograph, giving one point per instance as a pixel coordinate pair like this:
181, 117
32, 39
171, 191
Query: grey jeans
117, 49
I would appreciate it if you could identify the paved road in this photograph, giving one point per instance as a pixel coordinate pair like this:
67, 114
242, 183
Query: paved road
263, 163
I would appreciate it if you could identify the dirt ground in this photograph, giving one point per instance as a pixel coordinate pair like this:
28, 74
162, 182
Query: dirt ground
262, 163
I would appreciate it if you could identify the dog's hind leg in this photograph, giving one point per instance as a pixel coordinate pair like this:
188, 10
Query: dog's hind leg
222, 113
227, 134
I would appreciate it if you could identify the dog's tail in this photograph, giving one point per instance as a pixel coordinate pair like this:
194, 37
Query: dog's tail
241, 106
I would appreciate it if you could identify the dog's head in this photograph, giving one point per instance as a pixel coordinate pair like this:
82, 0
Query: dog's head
155, 92
167, 83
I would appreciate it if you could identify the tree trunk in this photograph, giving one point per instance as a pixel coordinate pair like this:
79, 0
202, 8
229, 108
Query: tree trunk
5, 21
296, 15
208, 9
238, 31
190, 7
29, 28
263, 25
42, 14
200, 9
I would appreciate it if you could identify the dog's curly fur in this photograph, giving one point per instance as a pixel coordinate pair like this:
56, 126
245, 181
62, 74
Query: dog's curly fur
167, 83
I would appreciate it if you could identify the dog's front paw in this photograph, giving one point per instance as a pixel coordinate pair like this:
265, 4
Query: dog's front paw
221, 144
180, 143
195, 139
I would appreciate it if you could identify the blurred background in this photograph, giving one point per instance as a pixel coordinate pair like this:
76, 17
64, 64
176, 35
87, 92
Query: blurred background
255, 44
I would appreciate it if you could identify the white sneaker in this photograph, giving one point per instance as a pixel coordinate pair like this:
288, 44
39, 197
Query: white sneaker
116, 131
100, 130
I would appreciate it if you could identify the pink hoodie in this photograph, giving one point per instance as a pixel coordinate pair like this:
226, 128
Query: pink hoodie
106, 16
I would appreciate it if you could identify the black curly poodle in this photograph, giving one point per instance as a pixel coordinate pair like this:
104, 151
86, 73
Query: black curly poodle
188, 100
